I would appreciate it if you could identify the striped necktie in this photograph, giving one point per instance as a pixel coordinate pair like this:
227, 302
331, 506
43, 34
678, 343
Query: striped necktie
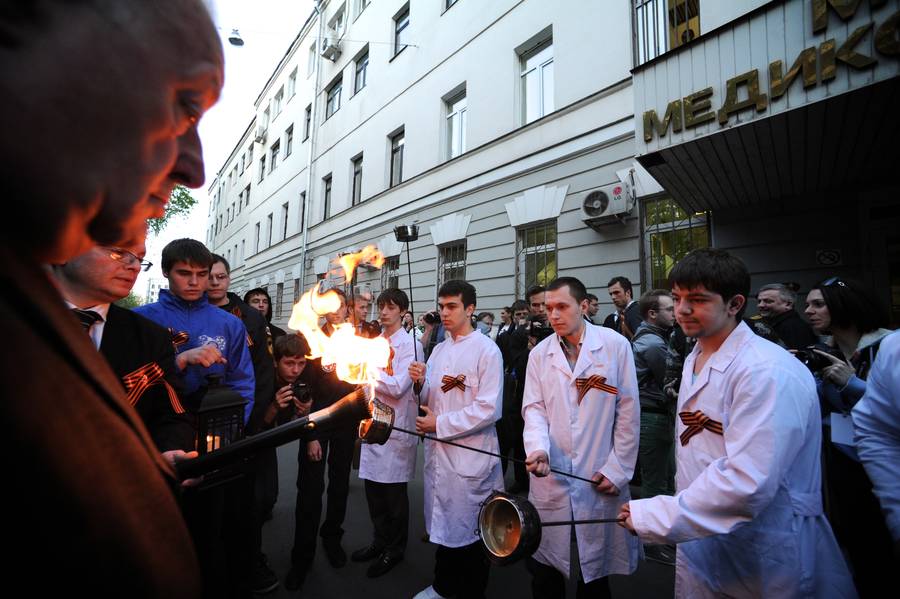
87, 318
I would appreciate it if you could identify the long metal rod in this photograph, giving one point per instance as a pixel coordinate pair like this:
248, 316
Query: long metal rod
412, 313
496, 455
595, 521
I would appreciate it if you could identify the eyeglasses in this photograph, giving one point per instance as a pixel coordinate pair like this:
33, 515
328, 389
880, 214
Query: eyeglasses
127, 258
833, 281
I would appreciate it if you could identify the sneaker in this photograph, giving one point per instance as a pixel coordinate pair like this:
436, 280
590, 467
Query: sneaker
295, 578
661, 554
366, 554
264, 580
428, 593
334, 552
384, 564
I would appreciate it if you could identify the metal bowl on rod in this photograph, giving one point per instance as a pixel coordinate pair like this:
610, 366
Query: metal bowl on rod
406, 233
509, 527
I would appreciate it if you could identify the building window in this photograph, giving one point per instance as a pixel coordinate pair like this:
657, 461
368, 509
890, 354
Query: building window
535, 256
362, 65
250, 156
401, 30
279, 299
669, 234
361, 6
242, 251
292, 84
243, 163
449, 3
456, 125
537, 81
247, 195
662, 25
232, 213
275, 150
284, 220
288, 141
397, 142
270, 222
451, 262
311, 62
262, 167
326, 196
333, 101
302, 209
276, 103
356, 196
307, 121
256, 245
265, 122
390, 273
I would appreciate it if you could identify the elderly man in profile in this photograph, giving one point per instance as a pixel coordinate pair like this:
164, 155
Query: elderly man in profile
117, 88
775, 303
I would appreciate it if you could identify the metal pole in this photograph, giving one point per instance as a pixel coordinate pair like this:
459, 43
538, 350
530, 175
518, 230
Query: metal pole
412, 313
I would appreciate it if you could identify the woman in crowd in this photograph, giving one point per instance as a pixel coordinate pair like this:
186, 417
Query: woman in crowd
854, 318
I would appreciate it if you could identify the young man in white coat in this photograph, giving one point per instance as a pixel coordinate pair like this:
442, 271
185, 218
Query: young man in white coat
387, 468
747, 513
582, 414
462, 390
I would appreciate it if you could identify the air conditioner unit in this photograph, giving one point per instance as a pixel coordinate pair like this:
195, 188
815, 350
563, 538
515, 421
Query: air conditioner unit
261, 134
331, 48
606, 205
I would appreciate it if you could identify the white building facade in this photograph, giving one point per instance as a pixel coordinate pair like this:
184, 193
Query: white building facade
154, 284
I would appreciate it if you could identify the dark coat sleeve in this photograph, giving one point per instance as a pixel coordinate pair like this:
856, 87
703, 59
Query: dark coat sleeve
633, 316
263, 366
795, 332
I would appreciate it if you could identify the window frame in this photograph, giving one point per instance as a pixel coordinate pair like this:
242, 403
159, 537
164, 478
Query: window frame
525, 70
523, 283
390, 271
274, 151
444, 265
307, 122
687, 222
332, 99
401, 24
461, 113
327, 190
396, 149
289, 140
285, 211
362, 60
356, 174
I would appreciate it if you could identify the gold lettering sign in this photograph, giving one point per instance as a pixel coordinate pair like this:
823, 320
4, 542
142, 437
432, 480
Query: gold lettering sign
886, 36
695, 107
779, 83
651, 121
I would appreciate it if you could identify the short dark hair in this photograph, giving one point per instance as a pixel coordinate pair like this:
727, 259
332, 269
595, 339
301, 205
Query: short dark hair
623, 281
519, 305
395, 296
592, 298
482, 315
290, 346
260, 291
461, 288
717, 271
576, 287
186, 250
217, 258
650, 301
533, 291
850, 303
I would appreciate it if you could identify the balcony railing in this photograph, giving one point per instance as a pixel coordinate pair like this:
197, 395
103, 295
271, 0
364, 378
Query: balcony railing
663, 25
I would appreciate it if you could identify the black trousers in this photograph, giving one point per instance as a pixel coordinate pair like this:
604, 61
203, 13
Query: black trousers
461, 572
337, 452
549, 583
265, 493
389, 510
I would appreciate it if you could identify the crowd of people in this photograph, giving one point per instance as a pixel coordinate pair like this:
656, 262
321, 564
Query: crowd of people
767, 446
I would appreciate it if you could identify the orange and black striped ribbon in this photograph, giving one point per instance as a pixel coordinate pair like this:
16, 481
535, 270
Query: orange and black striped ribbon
249, 341
695, 423
595, 381
179, 338
448, 382
389, 370
137, 382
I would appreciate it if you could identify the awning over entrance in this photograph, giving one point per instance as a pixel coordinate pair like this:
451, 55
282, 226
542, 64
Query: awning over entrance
847, 141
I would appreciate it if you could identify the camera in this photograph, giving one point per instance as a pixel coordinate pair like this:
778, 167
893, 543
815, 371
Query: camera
814, 361
538, 329
301, 391
432, 317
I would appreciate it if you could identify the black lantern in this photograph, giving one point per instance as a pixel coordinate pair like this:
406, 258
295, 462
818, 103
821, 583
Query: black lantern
220, 417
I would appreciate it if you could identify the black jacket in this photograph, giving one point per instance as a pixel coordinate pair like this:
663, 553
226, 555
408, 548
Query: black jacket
263, 365
650, 345
793, 331
632, 317
130, 342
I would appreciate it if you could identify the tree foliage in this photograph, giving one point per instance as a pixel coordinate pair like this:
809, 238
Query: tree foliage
181, 202
132, 300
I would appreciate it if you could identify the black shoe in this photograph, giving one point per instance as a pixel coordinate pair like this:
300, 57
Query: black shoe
383, 564
295, 578
264, 580
366, 554
334, 552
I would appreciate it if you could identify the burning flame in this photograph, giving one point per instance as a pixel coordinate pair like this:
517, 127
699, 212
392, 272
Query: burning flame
356, 359
368, 254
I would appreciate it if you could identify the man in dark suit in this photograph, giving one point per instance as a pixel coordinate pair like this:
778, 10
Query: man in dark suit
775, 303
139, 351
93, 504
627, 317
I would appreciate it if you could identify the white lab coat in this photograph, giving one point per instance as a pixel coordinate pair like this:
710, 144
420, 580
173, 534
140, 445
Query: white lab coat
876, 419
600, 435
395, 461
748, 509
457, 480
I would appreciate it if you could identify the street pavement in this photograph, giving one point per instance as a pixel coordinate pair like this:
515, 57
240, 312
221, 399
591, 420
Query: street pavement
415, 572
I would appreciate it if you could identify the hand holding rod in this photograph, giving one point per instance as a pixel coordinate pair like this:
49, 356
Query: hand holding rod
496, 455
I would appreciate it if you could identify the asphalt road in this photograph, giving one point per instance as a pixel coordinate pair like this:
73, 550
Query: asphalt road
415, 572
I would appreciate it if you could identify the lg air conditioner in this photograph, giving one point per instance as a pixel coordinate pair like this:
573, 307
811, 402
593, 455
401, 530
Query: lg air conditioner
606, 205
331, 48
